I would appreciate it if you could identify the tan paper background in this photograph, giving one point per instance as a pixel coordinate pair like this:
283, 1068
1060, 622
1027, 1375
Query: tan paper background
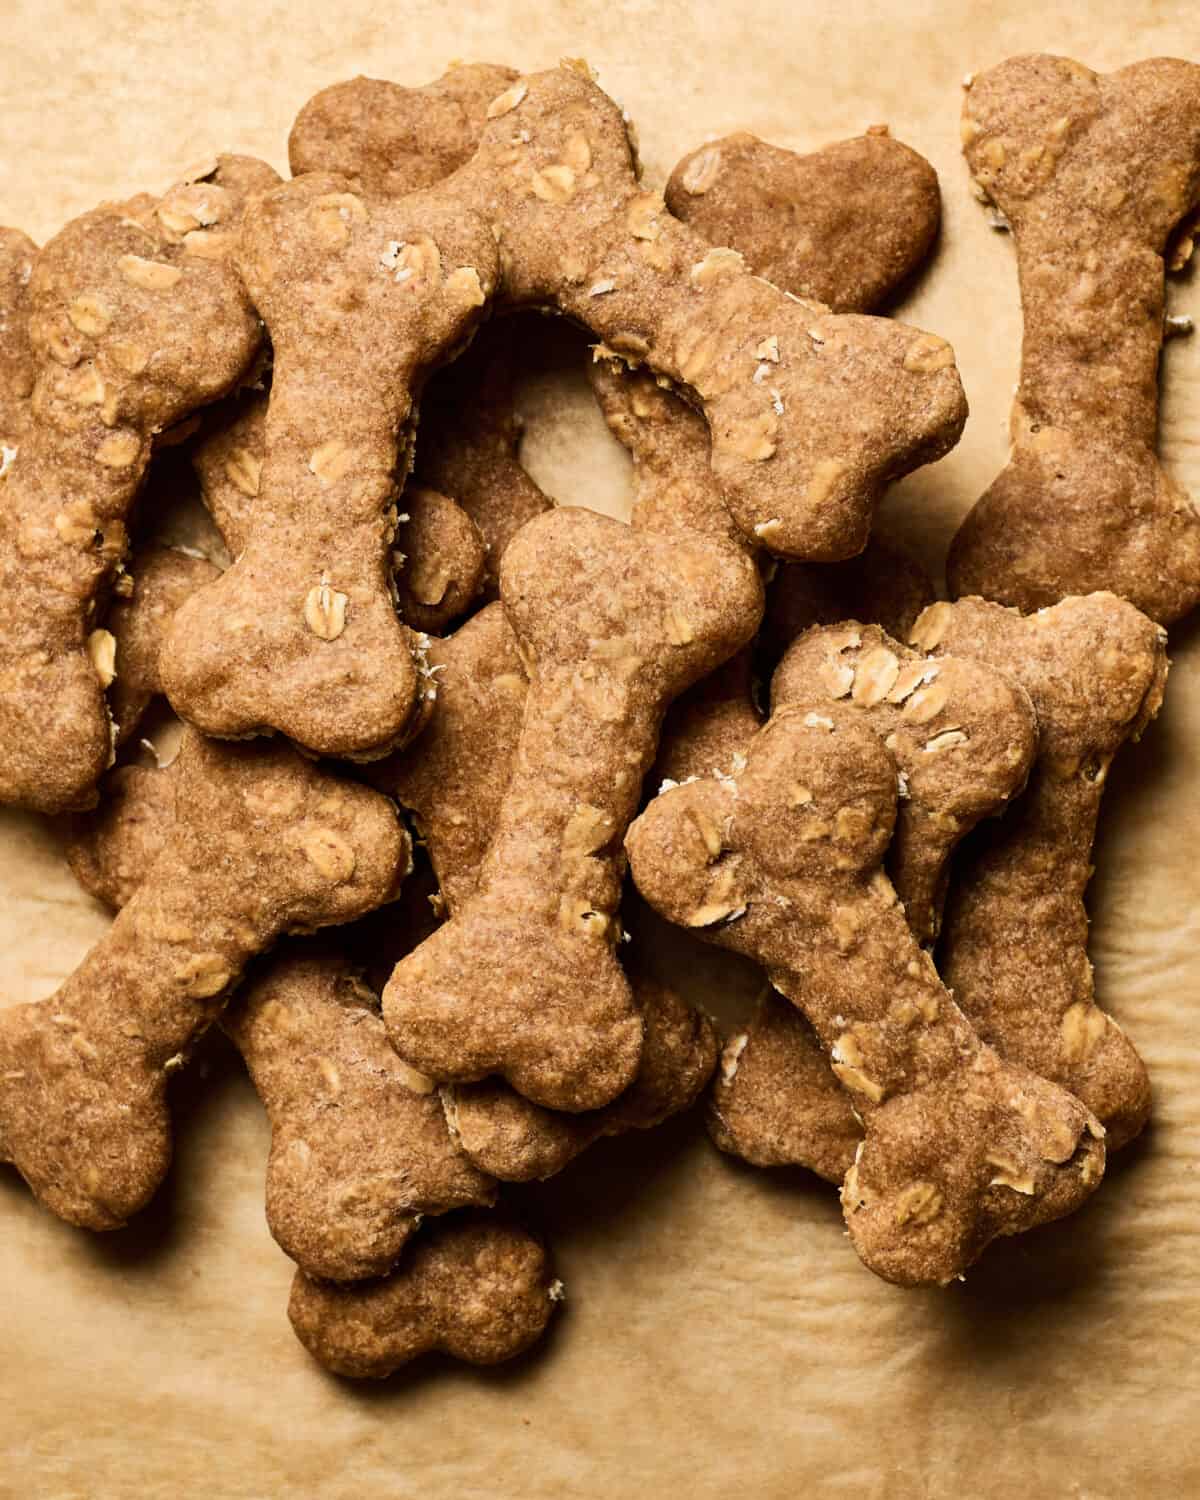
720, 1337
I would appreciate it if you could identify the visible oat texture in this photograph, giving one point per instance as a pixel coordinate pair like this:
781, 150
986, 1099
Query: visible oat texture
1094, 173
361, 298
360, 1151
782, 863
775, 1101
522, 981
476, 1287
136, 318
1014, 948
261, 843
963, 734
854, 402
438, 559
844, 225
17, 368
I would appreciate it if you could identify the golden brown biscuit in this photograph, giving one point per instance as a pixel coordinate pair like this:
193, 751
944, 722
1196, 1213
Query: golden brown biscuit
136, 318
476, 1287
159, 580
18, 370
522, 981
512, 1139
1014, 948
555, 175
782, 862
468, 440
390, 140
844, 225
360, 1151
439, 559
1093, 173
261, 843
776, 1102
361, 298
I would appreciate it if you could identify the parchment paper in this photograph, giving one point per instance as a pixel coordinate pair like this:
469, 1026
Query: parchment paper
720, 1336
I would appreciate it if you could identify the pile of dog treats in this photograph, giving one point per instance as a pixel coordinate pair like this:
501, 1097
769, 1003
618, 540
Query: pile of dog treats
740, 699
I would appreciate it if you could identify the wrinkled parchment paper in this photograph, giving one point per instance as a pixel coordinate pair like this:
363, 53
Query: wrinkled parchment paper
720, 1337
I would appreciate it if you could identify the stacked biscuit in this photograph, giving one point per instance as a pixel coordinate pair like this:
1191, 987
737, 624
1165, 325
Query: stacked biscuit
741, 698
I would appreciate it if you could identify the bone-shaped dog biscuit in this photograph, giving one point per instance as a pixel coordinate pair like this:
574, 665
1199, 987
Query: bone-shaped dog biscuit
390, 140
1014, 948
523, 981
17, 369
478, 1288
439, 558
782, 863
844, 225
963, 734
262, 843
555, 176
159, 580
506, 1136
1093, 172
775, 1101
361, 297
136, 318
359, 1145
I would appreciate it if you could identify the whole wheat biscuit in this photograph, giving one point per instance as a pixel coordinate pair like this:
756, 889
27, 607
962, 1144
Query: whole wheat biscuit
159, 580
1093, 173
476, 1287
468, 440
439, 559
391, 140
802, 453
17, 368
844, 225
776, 1102
1014, 948
360, 1152
136, 318
782, 862
522, 981
261, 843
361, 298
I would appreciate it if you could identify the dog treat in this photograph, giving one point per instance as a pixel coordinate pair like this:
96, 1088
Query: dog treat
1014, 948
454, 779
963, 734
439, 559
782, 862
708, 729
812, 413
884, 584
514, 1140
1093, 173
361, 298
775, 1101
389, 140
17, 368
161, 578
523, 981
261, 843
844, 225
360, 1150
476, 1287
113, 847
468, 441
136, 318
